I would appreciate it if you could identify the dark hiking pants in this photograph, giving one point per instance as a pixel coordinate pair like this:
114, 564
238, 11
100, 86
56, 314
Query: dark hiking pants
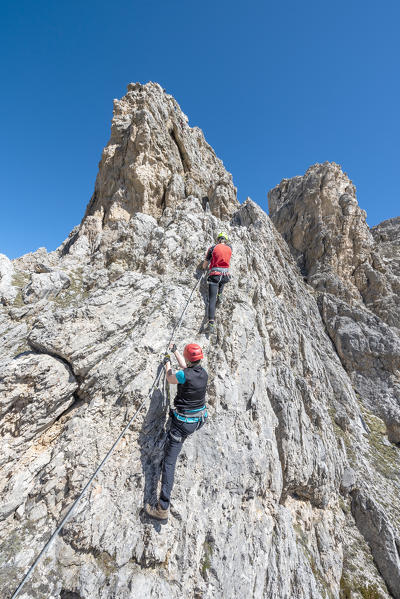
178, 433
216, 285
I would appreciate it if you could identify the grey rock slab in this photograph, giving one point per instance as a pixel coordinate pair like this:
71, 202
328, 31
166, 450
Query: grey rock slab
44, 285
348, 481
382, 296
33, 388
38, 261
380, 535
370, 351
34, 391
12, 335
113, 342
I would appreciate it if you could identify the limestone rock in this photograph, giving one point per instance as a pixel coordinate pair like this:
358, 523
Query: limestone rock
269, 498
38, 261
348, 481
34, 391
155, 160
383, 295
319, 217
370, 351
355, 272
7, 291
384, 541
45, 284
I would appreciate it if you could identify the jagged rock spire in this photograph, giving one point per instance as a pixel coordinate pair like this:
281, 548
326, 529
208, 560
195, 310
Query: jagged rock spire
155, 160
319, 217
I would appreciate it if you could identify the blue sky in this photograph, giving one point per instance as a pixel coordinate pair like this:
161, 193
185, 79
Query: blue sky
275, 86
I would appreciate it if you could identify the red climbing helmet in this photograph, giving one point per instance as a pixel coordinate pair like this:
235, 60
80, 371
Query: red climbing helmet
193, 352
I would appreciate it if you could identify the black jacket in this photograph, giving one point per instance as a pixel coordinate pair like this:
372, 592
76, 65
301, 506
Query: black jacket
191, 395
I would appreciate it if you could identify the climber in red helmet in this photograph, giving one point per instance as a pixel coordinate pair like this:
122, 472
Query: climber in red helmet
189, 415
217, 261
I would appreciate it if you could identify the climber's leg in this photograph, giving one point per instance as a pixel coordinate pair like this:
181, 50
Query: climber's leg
220, 290
212, 298
179, 431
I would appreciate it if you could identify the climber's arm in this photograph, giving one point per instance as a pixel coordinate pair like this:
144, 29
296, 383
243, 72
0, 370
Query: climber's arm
208, 257
179, 376
180, 358
174, 378
171, 378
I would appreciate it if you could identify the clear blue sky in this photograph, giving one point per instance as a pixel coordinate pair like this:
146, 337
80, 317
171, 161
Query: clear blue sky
275, 86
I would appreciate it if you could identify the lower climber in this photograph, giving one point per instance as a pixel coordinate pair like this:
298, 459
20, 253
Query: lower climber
217, 260
188, 416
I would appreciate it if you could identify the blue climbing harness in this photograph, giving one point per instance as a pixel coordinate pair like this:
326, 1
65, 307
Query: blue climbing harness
184, 418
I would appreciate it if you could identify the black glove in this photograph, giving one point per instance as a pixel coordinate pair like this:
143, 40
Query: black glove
173, 347
167, 358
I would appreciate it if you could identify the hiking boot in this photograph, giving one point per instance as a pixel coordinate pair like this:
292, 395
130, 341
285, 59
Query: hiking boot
211, 326
156, 512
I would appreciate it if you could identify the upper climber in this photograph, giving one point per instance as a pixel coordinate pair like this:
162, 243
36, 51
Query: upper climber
217, 259
188, 416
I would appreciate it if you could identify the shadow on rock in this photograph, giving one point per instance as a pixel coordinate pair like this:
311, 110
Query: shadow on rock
151, 442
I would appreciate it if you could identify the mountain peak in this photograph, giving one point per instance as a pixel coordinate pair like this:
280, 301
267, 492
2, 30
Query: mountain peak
155, 160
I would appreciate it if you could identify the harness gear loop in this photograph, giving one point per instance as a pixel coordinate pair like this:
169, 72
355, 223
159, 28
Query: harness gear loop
105, 459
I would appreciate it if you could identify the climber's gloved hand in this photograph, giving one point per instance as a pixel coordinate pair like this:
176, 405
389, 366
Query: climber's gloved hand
167, 358
173, 347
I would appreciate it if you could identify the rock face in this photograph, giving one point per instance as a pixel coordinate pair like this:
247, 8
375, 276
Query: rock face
34, 391
155, 160
7, 291
383, 292
319, 217
356, 274
291, 488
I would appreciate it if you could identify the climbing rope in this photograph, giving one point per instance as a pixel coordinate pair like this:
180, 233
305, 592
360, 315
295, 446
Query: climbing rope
107, 457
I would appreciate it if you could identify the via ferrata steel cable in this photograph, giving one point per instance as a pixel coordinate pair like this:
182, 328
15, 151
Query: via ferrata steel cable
105, 459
